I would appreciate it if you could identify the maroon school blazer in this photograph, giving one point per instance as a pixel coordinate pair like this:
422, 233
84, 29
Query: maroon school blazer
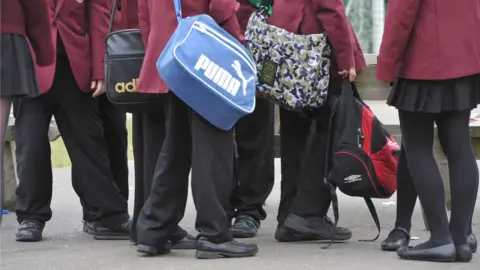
430, 40
157, 21
316, 16
126, 16
31, 19
83, 26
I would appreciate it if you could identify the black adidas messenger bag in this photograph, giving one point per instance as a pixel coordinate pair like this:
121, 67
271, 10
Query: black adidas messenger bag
123, 62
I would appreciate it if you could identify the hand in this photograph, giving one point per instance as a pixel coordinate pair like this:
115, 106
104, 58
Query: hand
351, 73
98, 88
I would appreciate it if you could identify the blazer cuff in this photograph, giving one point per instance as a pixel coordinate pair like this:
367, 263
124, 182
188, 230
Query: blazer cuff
386, 71
345, 61
98, 74
224, 12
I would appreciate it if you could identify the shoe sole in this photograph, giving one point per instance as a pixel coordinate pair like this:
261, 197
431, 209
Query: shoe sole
296, 239
302, 229
240, 235
389, 249
111, 236
184, 246
29, 240
339, 237
146, 252
440, 260
310, 239
218, 255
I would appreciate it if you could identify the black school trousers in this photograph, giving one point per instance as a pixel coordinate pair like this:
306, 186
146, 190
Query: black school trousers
115, 131
78, 119
304, 140
254, 135
148, 135
190, 143
114, 122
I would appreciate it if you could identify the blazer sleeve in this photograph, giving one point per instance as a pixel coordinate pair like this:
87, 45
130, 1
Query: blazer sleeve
118, 19
129, 18
359, 57
144, 20
224, 12
37, 16
401, 16
244, 12
98, 20
332, 17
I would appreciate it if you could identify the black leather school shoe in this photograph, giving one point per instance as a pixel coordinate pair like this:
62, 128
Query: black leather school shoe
393, 243
444, 253
472, 242
464, 253
147, 250
30, 231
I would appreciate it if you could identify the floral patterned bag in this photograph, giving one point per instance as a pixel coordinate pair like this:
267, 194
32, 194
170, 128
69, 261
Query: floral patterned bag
293, 69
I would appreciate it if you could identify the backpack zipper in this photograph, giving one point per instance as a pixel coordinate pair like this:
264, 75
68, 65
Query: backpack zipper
360, 138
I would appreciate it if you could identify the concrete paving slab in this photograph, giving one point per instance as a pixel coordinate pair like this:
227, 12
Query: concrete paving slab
66, 247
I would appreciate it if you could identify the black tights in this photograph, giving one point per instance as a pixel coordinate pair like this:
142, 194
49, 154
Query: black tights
418, 174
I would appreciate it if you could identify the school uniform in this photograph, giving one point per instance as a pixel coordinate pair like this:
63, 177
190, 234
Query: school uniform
114, 125
190, 143
148, 134
20, 19
115, 133
304, 198
436, 77
114, 122
255, 173
78, 30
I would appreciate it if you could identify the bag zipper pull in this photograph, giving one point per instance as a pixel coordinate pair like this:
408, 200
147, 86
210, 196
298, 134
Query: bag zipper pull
360, 137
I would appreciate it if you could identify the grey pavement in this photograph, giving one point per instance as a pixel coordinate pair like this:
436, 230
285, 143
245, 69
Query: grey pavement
66, 247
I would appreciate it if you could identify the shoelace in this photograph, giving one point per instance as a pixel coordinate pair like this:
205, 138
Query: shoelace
30, 225
329, 221
249, 223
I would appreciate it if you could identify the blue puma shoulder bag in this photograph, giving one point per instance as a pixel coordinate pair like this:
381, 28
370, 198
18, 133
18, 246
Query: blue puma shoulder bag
209, 70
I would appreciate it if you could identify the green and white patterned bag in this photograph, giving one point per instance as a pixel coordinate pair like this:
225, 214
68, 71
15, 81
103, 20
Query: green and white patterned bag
293, 70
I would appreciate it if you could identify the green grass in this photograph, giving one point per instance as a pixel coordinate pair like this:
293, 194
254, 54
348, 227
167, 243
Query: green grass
60, 157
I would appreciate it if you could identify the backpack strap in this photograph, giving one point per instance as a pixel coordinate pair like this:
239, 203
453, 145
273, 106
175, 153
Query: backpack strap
333, 196
332, 188
373, 213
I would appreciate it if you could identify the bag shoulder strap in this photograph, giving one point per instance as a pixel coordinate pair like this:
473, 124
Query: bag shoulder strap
263, 4
373, 213
178, 9
112, 16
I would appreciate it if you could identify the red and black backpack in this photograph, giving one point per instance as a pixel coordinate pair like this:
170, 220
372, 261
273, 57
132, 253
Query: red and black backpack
363, 157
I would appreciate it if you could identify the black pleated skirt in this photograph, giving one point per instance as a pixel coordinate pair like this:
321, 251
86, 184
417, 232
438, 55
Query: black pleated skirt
16, 68
436, 96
